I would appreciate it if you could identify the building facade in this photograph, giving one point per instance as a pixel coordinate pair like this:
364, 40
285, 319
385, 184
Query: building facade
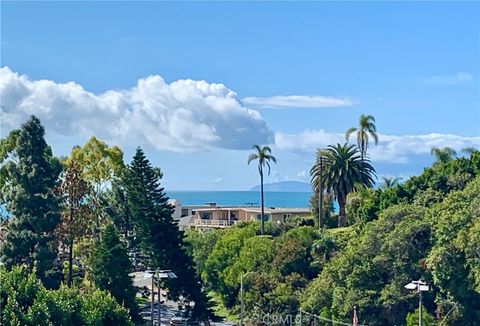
212, 216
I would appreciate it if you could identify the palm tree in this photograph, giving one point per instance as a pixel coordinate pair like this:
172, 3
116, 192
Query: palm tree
344, 171
390, 182
443, 155
365, 128
263, 155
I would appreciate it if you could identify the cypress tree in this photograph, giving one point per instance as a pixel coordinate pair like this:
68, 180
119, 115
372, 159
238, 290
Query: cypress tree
111, 267
31, 179
161, 242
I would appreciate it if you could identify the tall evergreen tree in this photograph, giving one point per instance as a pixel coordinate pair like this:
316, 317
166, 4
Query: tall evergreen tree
31, 176
111, 267
161, 241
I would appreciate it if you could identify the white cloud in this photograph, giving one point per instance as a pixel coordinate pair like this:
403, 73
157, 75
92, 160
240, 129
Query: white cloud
183, 116
297, 101
391, 148
302, 174
308, 140
459, 78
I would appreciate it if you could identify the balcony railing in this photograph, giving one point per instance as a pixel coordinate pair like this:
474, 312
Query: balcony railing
214, 223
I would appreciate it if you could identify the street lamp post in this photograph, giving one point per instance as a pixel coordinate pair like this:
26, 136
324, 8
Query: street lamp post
159, 275
242, 305
420, 287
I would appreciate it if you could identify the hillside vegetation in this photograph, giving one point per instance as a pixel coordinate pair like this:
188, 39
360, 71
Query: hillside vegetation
426, 228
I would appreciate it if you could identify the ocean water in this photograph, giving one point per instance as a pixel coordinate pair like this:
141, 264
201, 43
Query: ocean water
242, 198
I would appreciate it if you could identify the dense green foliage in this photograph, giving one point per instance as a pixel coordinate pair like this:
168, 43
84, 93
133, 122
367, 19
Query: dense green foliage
427, 319
25, 301
30, 174
100, 165
111, 267
50, 209
281, 265
427, 228
341, 171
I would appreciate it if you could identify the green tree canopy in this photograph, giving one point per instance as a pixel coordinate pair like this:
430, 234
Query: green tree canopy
30, 177
343, 172
101, 165
25, 301
111, 268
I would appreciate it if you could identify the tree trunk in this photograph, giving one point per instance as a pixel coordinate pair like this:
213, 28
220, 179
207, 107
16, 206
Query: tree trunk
262, 231
342, 219
70, 263
320, 196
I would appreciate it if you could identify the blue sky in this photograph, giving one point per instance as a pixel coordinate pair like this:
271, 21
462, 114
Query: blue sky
415, 66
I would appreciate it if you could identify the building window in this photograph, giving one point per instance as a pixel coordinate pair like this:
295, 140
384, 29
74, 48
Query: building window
206, 216
266, 217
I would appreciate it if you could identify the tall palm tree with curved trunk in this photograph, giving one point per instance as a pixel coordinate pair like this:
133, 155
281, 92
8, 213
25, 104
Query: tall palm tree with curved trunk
444, 154
263, 155
344, 171
366, 128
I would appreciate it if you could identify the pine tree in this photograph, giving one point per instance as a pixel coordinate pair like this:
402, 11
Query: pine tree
161, 241
111, 267
31, 177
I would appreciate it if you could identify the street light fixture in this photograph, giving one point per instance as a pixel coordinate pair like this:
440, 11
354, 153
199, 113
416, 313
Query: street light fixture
158, 275
420, 287
242, 305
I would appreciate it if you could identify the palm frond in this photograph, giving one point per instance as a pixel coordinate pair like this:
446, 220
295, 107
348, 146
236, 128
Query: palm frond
252, 157
349, 132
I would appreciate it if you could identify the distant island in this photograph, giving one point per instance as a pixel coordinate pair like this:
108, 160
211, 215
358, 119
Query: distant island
285, 186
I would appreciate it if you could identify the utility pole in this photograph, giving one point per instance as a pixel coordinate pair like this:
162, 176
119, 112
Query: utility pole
159, 300
153, 299
419, 305
241, 301
420, 287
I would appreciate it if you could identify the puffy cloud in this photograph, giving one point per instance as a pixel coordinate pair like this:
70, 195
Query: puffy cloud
459, 78
391, 148
297, 101
183, 116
